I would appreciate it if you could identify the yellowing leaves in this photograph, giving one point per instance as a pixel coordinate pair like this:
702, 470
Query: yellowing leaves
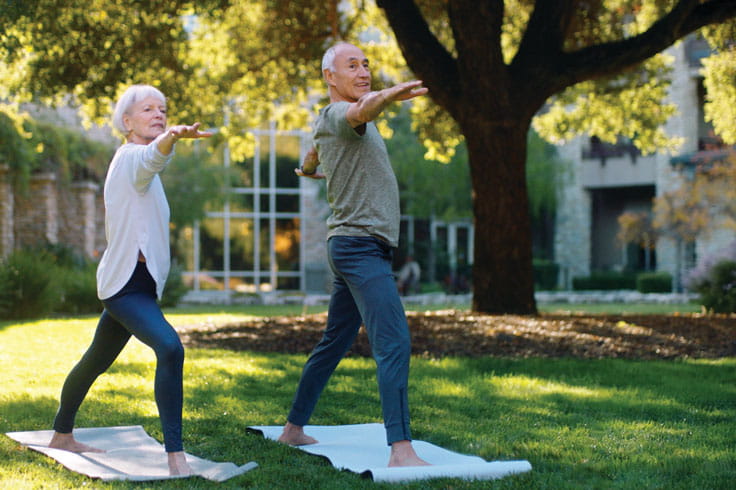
720, 83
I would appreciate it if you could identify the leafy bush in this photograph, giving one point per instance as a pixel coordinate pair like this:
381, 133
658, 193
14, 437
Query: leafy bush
545, 274
175, 288
717, 288
32, 146
28, 287
604, 280
79, 290
654, 282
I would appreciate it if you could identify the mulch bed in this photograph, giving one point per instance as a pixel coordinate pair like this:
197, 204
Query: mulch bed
454, 333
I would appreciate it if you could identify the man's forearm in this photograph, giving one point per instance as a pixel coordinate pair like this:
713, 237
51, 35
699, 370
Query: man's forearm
310, 163
370, 106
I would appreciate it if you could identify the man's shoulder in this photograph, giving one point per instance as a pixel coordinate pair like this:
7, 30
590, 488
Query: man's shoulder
332, 121
334, 110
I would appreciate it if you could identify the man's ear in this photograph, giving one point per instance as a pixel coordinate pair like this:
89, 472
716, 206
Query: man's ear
328, 76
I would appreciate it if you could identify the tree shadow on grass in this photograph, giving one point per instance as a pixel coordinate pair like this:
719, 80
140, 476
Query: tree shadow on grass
442, 334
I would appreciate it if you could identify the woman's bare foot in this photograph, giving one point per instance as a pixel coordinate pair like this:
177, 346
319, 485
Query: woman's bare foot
178, 465
403, 454
68, 443
294, 436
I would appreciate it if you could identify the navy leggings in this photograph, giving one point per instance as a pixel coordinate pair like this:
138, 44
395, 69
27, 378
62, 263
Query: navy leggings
132, 311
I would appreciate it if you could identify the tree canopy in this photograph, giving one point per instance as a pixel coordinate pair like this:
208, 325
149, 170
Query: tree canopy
493, 69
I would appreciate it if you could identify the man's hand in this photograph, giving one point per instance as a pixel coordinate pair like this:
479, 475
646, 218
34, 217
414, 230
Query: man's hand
405, 91
308, 168
316, 175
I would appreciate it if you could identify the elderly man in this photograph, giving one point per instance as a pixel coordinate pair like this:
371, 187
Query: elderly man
363, 231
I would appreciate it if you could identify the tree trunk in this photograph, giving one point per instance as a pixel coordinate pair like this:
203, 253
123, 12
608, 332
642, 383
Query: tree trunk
502, 267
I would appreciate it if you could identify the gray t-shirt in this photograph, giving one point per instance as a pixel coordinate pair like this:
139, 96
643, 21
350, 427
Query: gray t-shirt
361, 186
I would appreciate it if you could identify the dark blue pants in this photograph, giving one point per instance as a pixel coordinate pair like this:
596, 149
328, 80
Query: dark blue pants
364, 292
132, 311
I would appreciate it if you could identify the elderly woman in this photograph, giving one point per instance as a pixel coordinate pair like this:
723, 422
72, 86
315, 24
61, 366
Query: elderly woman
133, 270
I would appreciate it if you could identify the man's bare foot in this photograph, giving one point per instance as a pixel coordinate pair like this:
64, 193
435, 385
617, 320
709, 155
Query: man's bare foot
67, 442
294, 436
178, 465
403, 454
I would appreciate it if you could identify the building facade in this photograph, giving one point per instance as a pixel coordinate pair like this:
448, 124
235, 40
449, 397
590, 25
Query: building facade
606, 181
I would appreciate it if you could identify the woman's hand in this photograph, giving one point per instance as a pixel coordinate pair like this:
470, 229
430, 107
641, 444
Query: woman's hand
175, 133
184, 131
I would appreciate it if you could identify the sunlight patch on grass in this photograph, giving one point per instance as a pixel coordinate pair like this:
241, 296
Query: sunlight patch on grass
524, 387
445, 387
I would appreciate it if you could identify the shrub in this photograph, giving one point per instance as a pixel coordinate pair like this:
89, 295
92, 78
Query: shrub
545, 274
28, 287
79, 290
175, 288
654, 282
717, 288
605, 280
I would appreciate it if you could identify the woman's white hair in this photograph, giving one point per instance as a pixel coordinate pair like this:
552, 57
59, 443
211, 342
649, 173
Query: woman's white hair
133, 94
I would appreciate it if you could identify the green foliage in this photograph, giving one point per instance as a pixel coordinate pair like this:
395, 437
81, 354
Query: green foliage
545, 172
28, 286
78, 285
428, 188
605, 280
43, 147
47, 279
194, 179
14, 148
67, 151
545, 274
717, 288
654, 282
175, 288
629, 104
75, 279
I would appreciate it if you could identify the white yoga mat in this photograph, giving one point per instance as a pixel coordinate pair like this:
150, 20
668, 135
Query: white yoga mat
362, 449
131, 454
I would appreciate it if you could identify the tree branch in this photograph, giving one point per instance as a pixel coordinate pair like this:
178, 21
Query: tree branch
609, 58
546, 29
476, 27
425, 55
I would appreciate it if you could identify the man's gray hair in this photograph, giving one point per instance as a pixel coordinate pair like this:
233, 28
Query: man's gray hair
133, 94
328, 60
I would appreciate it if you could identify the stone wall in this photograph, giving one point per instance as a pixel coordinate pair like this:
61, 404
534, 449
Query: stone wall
49, 210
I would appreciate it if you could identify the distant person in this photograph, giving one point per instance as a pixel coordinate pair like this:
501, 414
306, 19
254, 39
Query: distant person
409, 276
133, 270
363, 231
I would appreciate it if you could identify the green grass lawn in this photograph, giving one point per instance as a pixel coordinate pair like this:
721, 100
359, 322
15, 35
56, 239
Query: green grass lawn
580, 423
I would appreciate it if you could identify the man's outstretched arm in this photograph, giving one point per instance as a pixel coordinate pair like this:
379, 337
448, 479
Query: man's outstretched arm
370, 105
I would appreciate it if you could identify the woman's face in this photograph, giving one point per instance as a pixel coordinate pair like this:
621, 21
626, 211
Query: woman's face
145, 120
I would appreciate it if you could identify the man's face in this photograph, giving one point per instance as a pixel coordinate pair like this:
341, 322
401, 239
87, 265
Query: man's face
351, 77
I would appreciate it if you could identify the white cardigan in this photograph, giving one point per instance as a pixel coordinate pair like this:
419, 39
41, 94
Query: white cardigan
136, 218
